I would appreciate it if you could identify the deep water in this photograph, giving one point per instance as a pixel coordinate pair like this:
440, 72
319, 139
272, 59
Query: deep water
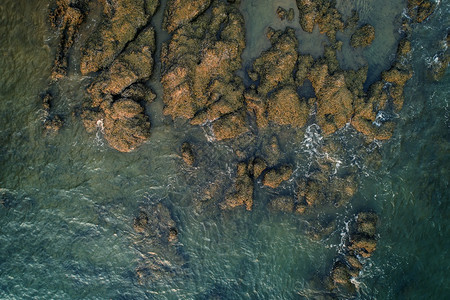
68, 200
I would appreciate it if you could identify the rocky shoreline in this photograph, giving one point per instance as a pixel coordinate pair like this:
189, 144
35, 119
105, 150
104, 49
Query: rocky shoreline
200, 86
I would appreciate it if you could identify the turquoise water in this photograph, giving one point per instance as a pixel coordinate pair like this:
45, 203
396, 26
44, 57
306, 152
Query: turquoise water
66, 225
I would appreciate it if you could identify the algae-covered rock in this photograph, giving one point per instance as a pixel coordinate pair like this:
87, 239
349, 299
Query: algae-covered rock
257, 166
322, 13
120, 22
242, 193
276, 65
334, 100
67, 16
125, 125
198, 69
363, 36
284, 107
274, 177
134, 64
281, 13
181, 12
187, 154
420, 10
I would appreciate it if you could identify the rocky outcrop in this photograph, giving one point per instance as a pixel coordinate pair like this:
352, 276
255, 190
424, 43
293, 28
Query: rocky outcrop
120, 22
274, 177
199, 65
320, 12
242, 193
363, 36
187, 154
361, 244
66, 17
122, 49
275, 100
420, 10
181, 12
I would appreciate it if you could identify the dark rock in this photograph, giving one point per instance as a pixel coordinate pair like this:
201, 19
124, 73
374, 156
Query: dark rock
187, 154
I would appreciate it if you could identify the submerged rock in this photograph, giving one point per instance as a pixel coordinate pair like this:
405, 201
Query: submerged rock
67, 17
284, 204
187, 154
420, 10
157, 241
363, 36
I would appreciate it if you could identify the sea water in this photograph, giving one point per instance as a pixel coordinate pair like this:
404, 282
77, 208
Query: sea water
66, 223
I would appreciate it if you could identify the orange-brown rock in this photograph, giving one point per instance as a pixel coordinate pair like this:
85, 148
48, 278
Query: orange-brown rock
242, 193
125, 125
420, 10
274, 177
199, 65
134, 64
363, 36
67, 18
334, 100
323, 13
284, 107
187, 154
120, 22
181, 12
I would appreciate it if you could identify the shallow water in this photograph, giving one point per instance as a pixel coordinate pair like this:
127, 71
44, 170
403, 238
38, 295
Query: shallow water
66, 229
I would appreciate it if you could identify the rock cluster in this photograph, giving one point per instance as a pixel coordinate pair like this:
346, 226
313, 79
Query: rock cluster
361, 244
199, 65
121, 49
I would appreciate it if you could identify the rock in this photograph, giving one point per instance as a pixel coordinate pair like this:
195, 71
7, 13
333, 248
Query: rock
367, 223
67, 18
276, 65
120, 22
125, 125
284, 107
140, 222
334, 100
363, 36
52, 124
420, 10
243, 190
323, 13
257, 166
134, 64
230, 126
290, 15
139, 92
181, 12
187, 154
284, 204
271, 150
281, 13
274, 177
362, 245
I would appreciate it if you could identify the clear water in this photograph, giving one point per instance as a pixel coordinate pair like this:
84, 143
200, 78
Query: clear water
66, 230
